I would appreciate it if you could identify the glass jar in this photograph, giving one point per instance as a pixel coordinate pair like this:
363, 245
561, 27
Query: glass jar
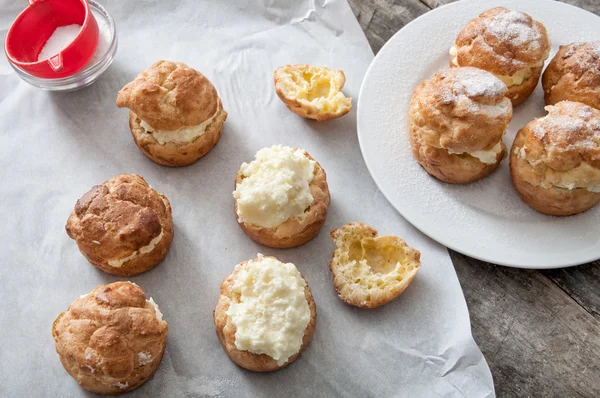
101, 60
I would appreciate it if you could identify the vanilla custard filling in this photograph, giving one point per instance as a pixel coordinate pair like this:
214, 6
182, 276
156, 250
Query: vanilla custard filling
519, 76
515, 79
276, 186
183, 135
487, 157
454, 54
142, 250
272, 313
583, 176
159, 314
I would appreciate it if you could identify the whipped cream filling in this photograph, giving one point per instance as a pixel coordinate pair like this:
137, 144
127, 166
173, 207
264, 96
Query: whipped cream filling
144, 358
120, 385
487, 157
183, 135
159, 314
272, 313
276, 186
515, 79
565, 180
117, 263
570, 186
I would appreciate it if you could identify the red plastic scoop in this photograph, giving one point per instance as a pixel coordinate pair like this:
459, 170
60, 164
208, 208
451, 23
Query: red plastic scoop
34, 26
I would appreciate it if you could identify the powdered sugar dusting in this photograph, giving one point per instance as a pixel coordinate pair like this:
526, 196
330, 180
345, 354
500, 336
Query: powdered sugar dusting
539, 132
583, 56
595, 49
592, 48
475, 90
569, 126
560, 125
475, 82
585, 112
514, 27
573, 47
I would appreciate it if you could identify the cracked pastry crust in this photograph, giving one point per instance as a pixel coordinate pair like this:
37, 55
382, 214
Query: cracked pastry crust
165, 99
226, 330
457, 120
574, 75
295, 231
555, 160
111, 340
124, 218
508, 44
313, 92
370, 270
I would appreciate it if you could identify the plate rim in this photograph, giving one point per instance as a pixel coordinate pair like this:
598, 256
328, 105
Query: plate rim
434, 235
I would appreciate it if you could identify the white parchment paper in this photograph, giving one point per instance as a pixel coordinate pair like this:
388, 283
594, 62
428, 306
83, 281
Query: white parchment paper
54, 147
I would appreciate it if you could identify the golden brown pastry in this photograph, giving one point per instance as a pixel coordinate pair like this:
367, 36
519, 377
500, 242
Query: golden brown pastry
123, 227
176, 114
282, 197
370, 270
313, 92
266, 315
574, 75
555, 160
510, 44
111, 340
457, 120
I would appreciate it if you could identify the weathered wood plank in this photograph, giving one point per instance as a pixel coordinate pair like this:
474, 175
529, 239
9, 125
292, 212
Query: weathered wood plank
436, 3
589, 5
537, 340
582, 283
380, 19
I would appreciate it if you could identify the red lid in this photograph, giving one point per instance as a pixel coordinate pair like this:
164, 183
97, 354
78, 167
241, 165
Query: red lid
33, 27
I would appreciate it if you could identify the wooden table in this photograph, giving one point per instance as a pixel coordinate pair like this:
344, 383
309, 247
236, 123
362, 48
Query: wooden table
539, 330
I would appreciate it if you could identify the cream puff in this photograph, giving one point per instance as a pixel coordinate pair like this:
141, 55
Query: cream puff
281, 197
574, 75
123, 227
313, 92
176, 114
509, 44
370, 270
555, 160
265, 315
457, 120
111, 340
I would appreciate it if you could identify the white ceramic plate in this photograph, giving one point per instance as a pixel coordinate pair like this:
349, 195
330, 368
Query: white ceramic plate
487, 219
